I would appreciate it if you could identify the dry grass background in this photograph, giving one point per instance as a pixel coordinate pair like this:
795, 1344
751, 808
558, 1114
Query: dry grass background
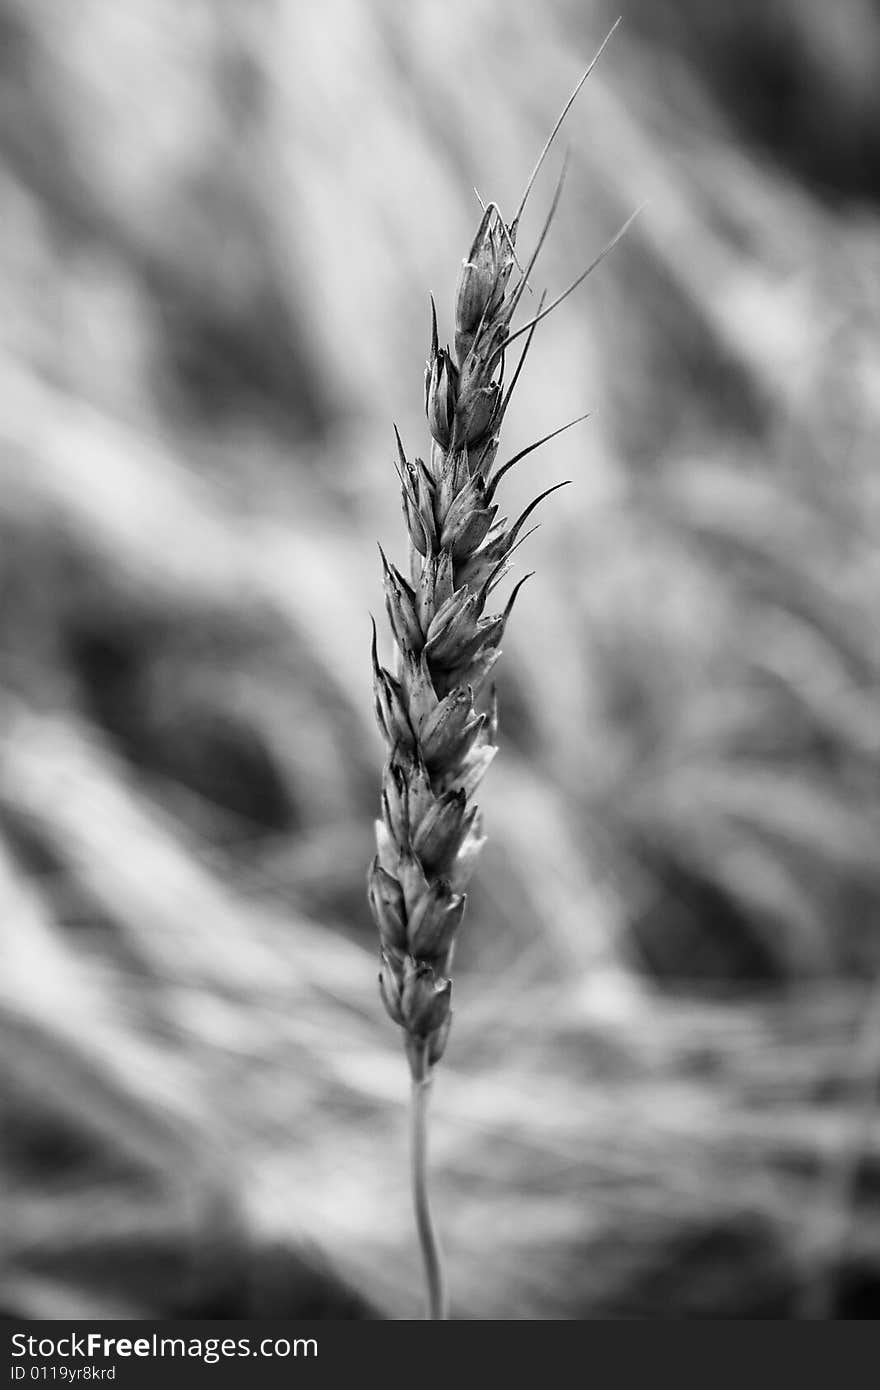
220, 226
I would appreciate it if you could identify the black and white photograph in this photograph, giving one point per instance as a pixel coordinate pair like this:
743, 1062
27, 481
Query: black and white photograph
439, 669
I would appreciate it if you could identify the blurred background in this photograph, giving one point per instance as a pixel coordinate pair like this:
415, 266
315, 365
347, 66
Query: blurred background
221, 223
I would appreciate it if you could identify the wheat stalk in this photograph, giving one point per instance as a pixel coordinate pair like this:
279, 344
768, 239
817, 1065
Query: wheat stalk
438, 713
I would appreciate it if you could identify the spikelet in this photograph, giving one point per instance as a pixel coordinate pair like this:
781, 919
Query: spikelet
437, 712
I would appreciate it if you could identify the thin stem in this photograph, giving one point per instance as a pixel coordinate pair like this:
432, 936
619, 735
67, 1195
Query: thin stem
434, 1275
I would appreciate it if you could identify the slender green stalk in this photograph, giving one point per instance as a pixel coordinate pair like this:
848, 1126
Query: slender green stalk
435, 1278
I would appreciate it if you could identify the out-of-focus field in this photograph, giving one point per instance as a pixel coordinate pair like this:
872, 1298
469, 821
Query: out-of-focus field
220, 225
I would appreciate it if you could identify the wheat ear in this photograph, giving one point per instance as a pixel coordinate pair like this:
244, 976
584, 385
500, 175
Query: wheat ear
438, 712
